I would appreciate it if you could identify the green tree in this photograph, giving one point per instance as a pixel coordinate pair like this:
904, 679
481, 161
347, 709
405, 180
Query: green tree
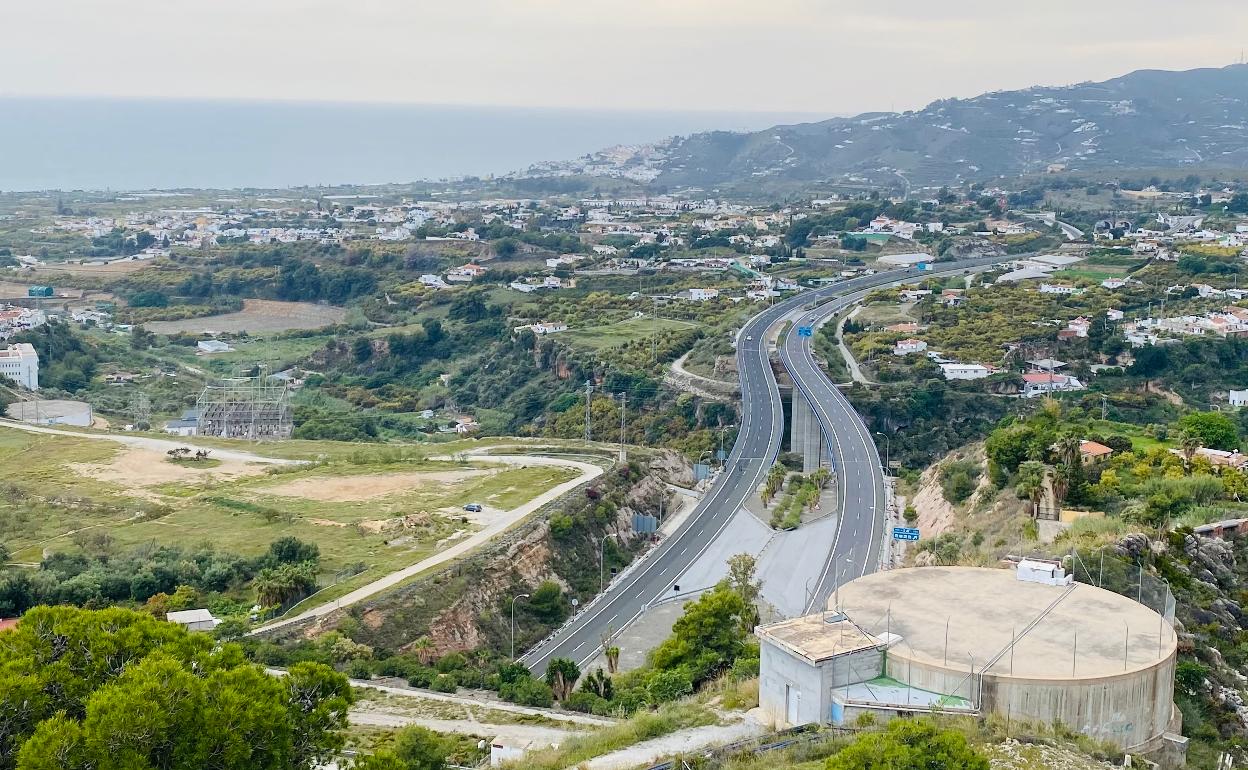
742, 569
1215, 429
909, 744
115, 688
707, 637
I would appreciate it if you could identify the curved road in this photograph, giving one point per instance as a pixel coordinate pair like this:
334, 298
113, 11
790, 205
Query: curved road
757, 445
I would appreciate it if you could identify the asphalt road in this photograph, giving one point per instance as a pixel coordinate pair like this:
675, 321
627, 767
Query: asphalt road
758, 443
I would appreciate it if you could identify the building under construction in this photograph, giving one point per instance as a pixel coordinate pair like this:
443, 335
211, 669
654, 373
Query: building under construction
246, 407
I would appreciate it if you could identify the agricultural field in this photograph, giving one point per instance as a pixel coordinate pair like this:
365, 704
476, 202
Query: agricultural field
369, 512
258, 316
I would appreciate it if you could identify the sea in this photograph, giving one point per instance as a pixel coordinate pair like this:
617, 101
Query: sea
131, 144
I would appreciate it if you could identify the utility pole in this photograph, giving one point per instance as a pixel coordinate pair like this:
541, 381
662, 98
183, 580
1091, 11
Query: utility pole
1104, 407
589, 393
623, 426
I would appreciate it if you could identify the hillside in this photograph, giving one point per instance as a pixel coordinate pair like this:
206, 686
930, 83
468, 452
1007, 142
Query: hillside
1147, 119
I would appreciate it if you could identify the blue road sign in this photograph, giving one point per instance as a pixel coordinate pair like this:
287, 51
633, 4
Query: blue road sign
805, 331
905, 533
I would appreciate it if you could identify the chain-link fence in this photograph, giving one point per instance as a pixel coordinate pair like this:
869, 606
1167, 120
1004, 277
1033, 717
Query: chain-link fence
1123, 576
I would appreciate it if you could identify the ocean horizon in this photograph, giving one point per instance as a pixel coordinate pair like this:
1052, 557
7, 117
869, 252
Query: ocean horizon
133, 144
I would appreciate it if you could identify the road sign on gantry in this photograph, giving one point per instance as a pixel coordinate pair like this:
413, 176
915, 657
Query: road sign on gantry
805, 331
905, 533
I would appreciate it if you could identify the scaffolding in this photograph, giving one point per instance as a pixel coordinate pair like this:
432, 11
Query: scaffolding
253, 407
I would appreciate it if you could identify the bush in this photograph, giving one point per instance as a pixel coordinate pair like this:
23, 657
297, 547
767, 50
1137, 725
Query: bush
958, 479
587, 703
669, 685
528, 692
444, 683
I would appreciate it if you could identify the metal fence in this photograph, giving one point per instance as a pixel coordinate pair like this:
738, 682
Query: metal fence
1123, 576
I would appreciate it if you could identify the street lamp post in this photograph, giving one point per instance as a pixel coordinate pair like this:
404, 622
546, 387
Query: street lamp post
888, 445
722, 431
602, 582
513, 622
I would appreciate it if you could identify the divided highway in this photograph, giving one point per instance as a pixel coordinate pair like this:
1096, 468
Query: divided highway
853, 456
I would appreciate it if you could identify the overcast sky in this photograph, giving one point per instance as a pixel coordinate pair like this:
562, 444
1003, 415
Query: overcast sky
825, 56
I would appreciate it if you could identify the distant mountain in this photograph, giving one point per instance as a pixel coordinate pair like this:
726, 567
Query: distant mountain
1145, 120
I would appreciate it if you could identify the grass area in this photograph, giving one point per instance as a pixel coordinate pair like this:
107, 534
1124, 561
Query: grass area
380, 509
616, 334
435, 709
642, 727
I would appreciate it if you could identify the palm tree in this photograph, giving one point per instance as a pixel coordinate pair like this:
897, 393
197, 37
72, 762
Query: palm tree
1189, 442
423, 648
1068, 450
1030, 483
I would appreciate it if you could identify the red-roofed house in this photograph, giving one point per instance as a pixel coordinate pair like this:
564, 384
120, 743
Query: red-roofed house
1042, 383
1093, 451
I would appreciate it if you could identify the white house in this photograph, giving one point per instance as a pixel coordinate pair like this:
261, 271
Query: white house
465, 274
547, 327
965, 371
1238, 397
193, 620
1080, 326
908, 346
1059, 288
433, 281
1113, 283
701, 295
1042, 383
1113, 315
20, 363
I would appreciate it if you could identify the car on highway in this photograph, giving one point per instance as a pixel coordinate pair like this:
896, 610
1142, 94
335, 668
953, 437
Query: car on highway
749, 338
473, 507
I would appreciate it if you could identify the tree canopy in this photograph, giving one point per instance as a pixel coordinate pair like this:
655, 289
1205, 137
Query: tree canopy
119, 689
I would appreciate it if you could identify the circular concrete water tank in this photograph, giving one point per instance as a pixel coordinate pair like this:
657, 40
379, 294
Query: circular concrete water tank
1090, 659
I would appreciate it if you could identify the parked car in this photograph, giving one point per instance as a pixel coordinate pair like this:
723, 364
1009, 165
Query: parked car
473, 507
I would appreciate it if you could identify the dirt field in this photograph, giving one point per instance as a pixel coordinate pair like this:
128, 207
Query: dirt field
111, 270
135, 467
346, 489
257, 316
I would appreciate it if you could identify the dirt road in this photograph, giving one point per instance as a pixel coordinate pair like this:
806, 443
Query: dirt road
588, 472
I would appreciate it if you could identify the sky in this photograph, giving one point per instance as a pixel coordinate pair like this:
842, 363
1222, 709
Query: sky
812, 56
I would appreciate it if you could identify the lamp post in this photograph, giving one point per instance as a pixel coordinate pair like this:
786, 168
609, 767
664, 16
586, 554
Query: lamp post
513, 622
602, 582
888, 445
722, 431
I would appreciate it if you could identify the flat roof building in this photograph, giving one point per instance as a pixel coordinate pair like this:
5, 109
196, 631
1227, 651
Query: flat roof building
20, 363
1028, 644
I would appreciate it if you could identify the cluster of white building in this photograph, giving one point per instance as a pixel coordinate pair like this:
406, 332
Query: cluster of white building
14, 320
1229, 322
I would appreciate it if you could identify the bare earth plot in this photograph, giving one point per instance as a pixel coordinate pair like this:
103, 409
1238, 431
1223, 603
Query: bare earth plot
381, 514
256, 317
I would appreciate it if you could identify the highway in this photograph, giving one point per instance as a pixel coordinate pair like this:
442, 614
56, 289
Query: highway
758, 443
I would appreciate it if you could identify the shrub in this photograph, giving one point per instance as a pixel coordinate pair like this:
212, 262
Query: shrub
669, 685
528, 692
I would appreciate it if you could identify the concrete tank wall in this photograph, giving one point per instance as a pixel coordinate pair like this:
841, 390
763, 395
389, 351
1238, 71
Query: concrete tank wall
1126, 709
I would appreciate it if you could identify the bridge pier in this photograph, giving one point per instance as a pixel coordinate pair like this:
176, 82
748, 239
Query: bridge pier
805, 437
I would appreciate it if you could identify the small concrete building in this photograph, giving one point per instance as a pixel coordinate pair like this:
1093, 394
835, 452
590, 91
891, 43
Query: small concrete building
1030, 645
20, 363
